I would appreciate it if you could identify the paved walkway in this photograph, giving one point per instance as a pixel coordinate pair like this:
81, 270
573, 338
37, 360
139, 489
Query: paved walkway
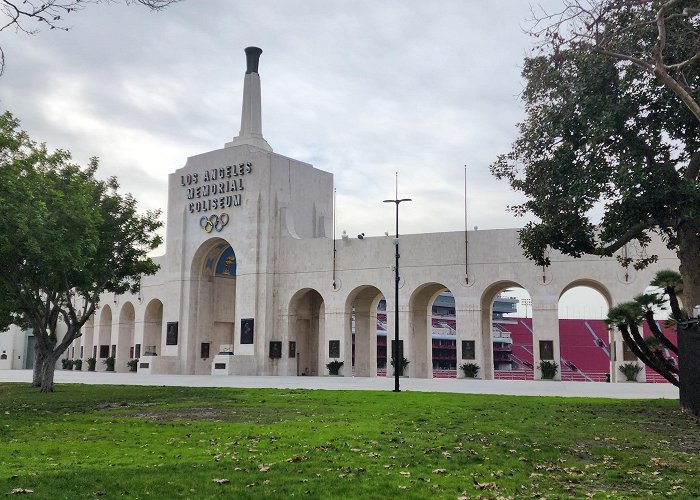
465, 386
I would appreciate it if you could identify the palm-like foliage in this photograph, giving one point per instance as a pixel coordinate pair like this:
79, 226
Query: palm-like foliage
672, 285
627, 317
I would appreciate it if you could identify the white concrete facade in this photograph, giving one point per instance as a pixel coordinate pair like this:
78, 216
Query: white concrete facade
251, 284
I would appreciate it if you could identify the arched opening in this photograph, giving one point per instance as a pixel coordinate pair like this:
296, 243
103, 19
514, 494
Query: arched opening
307, 330
152, 329
584, 338
87, 341
420, 340
507, 332
125, 337
102, 348
362, 309
213, 312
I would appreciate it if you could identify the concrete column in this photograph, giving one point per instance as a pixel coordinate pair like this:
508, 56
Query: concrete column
333, 324
619, 359
469, 328
545, 326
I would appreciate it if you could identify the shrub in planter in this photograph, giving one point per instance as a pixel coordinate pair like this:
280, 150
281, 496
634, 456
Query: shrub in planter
132, 364
630, 371
401, 368
549, 369
64, 363
334, 367
470, 370
91, 364
110, 363
78, 364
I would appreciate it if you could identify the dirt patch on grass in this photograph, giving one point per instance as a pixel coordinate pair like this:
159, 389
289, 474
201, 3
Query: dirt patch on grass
238, 414
678, 428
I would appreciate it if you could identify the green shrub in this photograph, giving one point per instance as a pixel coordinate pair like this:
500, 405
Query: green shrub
91, 364
110, 363
471, 370
402, 365
549, 369
78, 364
132, 364
630, 371
334, 367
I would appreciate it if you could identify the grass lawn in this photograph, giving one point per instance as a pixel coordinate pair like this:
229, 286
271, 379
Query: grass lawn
172, 442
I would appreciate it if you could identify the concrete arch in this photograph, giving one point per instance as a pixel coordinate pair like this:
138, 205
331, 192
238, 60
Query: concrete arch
590, 283
104, 336
125, 336
582, 335
307, 328
152, 328
363, 302
207, 250
420, 340
488, 298
213, 303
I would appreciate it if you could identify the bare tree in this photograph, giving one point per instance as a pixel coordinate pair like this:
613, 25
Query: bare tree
662, 37
31, 16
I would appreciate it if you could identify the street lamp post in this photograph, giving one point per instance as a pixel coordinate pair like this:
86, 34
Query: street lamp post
395, 350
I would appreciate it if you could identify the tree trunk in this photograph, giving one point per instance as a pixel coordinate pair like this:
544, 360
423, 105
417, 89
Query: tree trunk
689, 338
689, 256
47, 372
39, 357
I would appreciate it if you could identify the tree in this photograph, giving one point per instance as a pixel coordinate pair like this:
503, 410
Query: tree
30, 16
613, 131
608, 130
629, 315
65, 238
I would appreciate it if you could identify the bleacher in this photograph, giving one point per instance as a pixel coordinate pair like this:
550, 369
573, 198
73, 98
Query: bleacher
584, 348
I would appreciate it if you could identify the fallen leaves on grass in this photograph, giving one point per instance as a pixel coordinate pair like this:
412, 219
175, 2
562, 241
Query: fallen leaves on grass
263, 468
484, 486
221, 481
20, 491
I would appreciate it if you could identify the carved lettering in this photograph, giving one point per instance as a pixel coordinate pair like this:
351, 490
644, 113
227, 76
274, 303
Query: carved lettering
210, 195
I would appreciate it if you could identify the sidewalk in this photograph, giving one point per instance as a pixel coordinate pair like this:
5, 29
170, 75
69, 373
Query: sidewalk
464, 386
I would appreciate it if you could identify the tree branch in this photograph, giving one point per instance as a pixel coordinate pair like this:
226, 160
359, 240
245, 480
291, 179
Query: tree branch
629, 235
657, 333
691, 173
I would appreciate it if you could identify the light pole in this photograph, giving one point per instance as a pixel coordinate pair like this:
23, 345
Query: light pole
395, 350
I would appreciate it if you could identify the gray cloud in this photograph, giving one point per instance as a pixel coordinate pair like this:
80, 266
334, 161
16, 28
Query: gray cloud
362, 89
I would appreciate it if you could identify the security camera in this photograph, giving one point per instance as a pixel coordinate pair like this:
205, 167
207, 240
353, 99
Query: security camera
361, 236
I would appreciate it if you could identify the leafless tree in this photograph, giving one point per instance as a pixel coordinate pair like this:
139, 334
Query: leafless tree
660, 36
31, 16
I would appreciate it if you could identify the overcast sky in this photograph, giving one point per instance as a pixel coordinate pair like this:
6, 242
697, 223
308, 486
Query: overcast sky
359, 89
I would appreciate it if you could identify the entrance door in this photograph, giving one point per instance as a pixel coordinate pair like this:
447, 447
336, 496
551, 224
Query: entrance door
29, 358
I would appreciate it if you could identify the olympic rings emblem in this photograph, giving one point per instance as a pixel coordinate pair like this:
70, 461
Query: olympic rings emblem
213, 223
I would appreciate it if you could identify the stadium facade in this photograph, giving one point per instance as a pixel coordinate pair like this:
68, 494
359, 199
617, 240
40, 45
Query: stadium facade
254, 283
